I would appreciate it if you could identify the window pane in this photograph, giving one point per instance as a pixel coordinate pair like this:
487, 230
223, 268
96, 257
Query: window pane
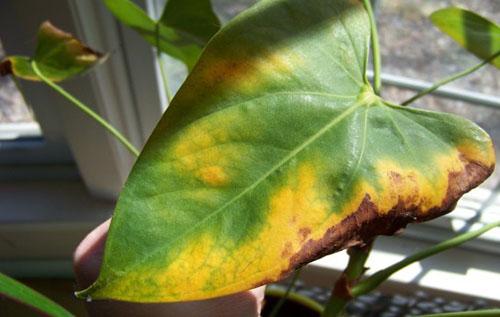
411, 46
16, 118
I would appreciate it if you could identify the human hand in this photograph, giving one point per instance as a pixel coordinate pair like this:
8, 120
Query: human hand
87, 261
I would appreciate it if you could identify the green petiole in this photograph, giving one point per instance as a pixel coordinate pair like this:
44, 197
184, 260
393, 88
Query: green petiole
91, 113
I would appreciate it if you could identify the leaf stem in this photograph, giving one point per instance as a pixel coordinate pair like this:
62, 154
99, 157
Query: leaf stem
161, 63
473, 313
86, 110
357, 260
377, 81
449, 79
341, 293
283, 299
376, 279
28, 296
164, 75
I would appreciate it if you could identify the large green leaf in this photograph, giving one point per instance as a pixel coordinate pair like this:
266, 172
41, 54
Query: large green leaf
475, 33
182, 31
194, 20
275, 152
58, 55
20, 292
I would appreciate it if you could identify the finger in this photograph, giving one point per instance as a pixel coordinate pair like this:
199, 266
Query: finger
88, 255
87, 261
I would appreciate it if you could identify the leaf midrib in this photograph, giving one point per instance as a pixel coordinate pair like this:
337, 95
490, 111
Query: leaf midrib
230, 105
350, 109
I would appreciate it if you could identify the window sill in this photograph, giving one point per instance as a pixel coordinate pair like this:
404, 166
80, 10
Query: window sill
15, 131
42, 222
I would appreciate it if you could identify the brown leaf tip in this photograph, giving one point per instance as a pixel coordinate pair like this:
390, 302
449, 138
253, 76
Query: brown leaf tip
6, 67
49, 29
90, 51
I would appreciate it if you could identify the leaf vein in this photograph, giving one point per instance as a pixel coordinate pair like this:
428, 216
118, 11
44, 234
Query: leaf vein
350, 109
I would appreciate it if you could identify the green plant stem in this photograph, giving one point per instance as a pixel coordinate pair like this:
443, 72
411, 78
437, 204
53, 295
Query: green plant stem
376, 279
296, 298
164, 75
283, 299
377, 81
334, 306
161, 63
450, 79
476, 313
357, 259
86, 110
23, 294
341, 293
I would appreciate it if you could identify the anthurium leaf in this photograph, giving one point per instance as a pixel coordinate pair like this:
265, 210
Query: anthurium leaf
182, 31
59, 55
194, 20
275, 152
477, 34
23, 294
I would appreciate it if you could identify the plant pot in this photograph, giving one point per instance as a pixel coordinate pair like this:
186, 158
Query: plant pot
295, 304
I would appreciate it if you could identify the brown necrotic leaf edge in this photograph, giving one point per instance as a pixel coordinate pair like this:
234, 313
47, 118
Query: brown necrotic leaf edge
48, 28
5, 68
361, 227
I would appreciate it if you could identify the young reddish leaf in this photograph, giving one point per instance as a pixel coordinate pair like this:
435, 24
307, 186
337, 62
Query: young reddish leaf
276, 152
475, 33
58, 54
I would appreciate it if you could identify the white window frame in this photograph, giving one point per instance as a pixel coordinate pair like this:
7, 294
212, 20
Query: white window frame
126, 93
